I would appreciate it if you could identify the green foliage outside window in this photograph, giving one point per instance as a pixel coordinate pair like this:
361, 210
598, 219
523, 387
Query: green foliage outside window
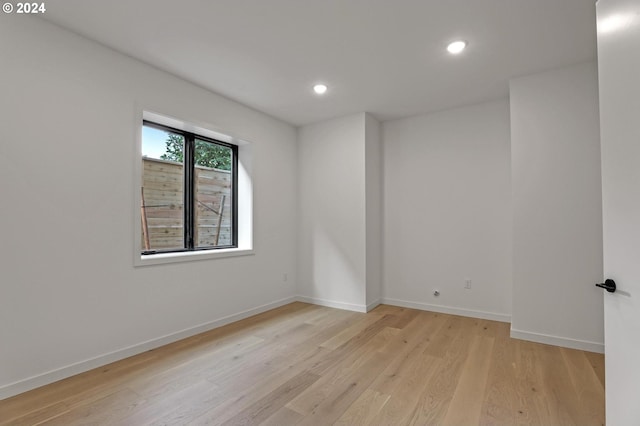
206, 154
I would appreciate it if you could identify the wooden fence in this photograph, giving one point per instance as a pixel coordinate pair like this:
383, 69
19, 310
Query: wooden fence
163, 208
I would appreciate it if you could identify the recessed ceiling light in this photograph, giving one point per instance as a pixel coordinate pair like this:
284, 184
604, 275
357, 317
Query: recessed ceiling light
613, 23
456, 47
320, 89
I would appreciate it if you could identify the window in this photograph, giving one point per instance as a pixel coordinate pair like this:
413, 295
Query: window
189, 191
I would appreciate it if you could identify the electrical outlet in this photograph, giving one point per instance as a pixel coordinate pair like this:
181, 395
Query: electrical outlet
467, 284
285, 277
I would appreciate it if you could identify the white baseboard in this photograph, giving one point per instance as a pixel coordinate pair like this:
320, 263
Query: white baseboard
564, 342
333, 304
371, 306
33, 382
448, 310
36, 381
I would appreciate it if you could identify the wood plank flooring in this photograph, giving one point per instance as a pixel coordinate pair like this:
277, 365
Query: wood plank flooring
308, 365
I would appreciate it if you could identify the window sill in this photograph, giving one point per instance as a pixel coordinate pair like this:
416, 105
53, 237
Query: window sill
162, 258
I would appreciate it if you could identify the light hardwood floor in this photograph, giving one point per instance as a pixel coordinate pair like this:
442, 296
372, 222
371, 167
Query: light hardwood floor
310, 365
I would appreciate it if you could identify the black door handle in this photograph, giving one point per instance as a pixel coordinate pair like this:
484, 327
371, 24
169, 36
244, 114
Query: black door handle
609, 285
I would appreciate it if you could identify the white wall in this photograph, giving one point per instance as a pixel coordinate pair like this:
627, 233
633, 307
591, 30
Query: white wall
374, 206
557, 207
69, 290
332, 218
447, 213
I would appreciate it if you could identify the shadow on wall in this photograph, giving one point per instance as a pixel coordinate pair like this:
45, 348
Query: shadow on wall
335, 275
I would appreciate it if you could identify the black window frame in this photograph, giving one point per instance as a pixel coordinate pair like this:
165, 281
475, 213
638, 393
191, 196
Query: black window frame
189, 190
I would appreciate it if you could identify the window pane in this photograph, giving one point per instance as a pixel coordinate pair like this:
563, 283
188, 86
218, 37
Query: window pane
213, 180
162, 190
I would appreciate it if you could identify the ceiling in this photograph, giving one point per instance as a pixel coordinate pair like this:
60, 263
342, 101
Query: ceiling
386, 57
